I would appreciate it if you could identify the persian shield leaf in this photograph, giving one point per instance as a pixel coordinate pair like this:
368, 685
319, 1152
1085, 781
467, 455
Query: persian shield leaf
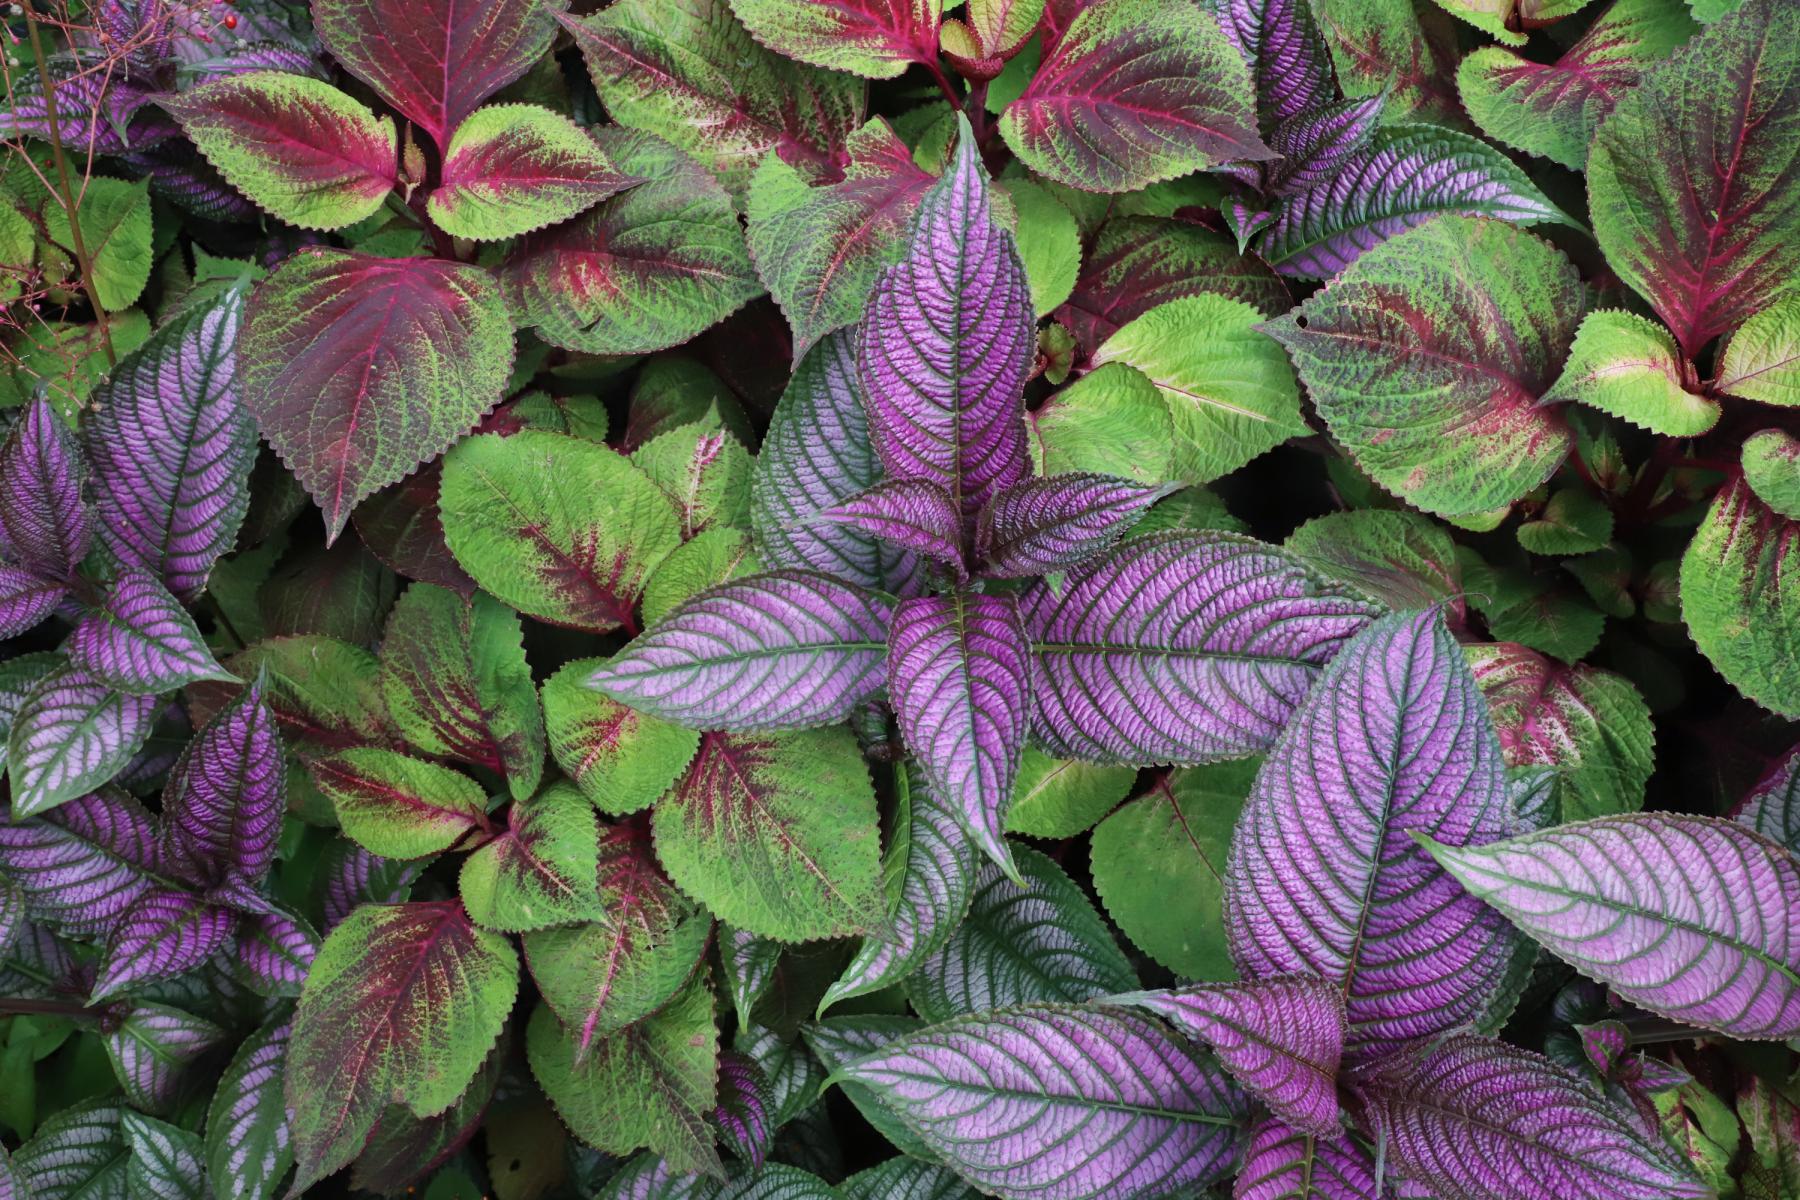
1773, 806
909, 514
1180, 647
513, 168
1324, 878
1288, 60
540, 872
167, 1162
25, 600
71, 734
873, 38
153, 1051
358, 369
47, 522
1690, 917
164, 934
1741, 602
1044, 525
84, 864
80, 1151
140, 640
1281, 1163
223, 804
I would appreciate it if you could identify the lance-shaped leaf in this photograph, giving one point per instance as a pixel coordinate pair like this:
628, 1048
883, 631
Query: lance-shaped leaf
1315, 146
1436, 405
1476, 1118
776, 834
1739, 599
1324, 878
909, 514
784, 650
1628, 366
84, 864
80, 1151
621, 759
539, 872
815, 455
1282, 1038
302, 150
877, 39
436, 61
359, 368
557, 527
454, 675
741, 1117
1281, 1163
96, 106
71, 734
172, 449
273, 952
1045, 525
224, 801
18, 675
402, 1007
140, 640
397, 805
1180, 647
750, 964
153, 1051
1104, 1102
1135, 92
842, 1040
1772, 807
946, 344
26, 599
162, 935
167, 1162
1692, 181
1690, 917
513, 168
47, 521
1289, 62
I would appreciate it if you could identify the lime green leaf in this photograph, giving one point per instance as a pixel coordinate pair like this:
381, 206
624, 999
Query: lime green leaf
325, 693
705, 561
1495, 16
1396, 46
873, 38
1401, 558
115, 230
1741, 600
513, 168
1772, 468
397, 806
705, 472
621, 759
1112, 421
1048, 241
540, 872
67, 360
1574, 521
1628, 366
1762, 359
1061, 797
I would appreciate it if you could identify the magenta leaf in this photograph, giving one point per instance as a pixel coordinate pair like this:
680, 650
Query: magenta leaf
946, 344
783, 650
71, 734
1282, 1038
273, 952
224, 801
164, 934
1288, 60
46, 519
909, 514
960, 674
140, 640
1324, 878
84, 864
515, 168
1049, 524
1282, 1163
26, 598
1181, 648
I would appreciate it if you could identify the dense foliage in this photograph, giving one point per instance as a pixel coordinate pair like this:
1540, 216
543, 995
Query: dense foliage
1059, 599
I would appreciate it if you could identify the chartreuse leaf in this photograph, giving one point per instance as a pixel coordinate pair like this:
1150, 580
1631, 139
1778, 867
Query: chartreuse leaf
1398, 557
1104, 1102
79, 1151
140, 640
1740, 602
620, 758
1471, 1116
1159, 866
1063, 797
71, 734
1772, 468
1628, 366
167, 1162
513, 168
1573, 521
325, 693
115, 231
1230, 391
704, 471
539, 872
776, 834
1437, 406
699, 564
1113, 420
1049, 242
1762, 359
1494, 16
302, 150
872, 38
402, 1007
358, 369
557, 527
1689, 917
398, 806
1407, 50
1694, 180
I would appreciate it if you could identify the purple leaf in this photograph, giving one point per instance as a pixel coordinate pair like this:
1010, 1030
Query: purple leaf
946, 344
84, 864
910, 514
177, 174
1070, 1103
225, 797
140, 640
95, 106
959, 671
46, 519
351, 876
785, 650
1477, 1119
1284, 1164
1181, 648
162, 935
152, 1050
1045, 525
25, 599
72, 734
274, 951
742, 1114
1281, 1038
1773, 806
247, 1136
1324, 878
1315, 145
172, 448
1694, 918
1288, 60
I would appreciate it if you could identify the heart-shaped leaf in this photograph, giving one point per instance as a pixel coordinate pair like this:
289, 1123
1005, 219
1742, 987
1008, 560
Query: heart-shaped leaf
1628, 366
513, 168
873, 38
539, 872
71, 734
1741, 604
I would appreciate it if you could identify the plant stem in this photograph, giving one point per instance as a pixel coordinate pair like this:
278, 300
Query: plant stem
943, 82
18, 1006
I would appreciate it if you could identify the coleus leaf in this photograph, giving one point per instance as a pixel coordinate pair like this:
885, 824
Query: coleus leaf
946, 345
248, 1147
1282, 1038
1181, 648
1044, 525
1741, 604
513, 168
359, 368
914, 515
1692, 179
1315, 145
154, 1050
540, 871
396, 805
782, 650
1476, 1119
1762, 359
79, 1151
1398, 557
620, 758
1771, 459
302, 150
1407, 49
47, 520
71, 734
1625, 365
1135, 92
1281, 1163
84, 864
1772, 807
715, 556
167, 1162
436, 61
1289, 62
704, 471
1063, 797
26, 599
1324, 880
401, 525
1441, 410
1104, 1102
401, 1007
877, 39
1689, 917
325, 693
223, 804
162, 935
114, 217
140, 640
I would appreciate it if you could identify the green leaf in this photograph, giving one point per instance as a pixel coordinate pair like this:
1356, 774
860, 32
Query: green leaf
1573, 521
1400, 558
1048, 241
1762, 359
621, 759
66, 360
1741, 601
115, 230
1062, 797
167, 1162
706, 561
705, 472
1112, 420
1491, 16
876, 40
513, 168
540, 872
559, 528
325, 693
402, 1006
776, 833
1628, 366
1230, 391
1540, 613
1396, 46
1772, 468
397, 806
840, 1041
248, 1144
77, 1154
1427, 356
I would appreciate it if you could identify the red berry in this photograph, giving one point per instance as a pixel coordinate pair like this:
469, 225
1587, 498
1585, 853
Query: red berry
231, 20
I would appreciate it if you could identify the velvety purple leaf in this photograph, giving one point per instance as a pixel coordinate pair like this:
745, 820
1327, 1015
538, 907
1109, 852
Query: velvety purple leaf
164, 934
84, 864
179, 175
910, 514
247, 1138
140, 640
784, 650
1282, 1163
1694, 918
1476, 1119
46, 519
1315, 145
273, 952
152, 1050
172, 448
18, 676
1045, 525
26, 598
1061, 1103
742, 1114
1288, 60
12, 1187
1324, 878
78, 1152
946, 344
1281, 1037
959, 671
350, 876
1773, 806
13, 914
72, 734
1181, 648
224, 801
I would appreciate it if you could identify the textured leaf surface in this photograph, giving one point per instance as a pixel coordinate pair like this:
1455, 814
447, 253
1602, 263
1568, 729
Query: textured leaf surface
1773, 806
908, 514
25, 600
1316, 145
1741, 599
396, 805
873, 38
1690, 917
167, 1162
140, 640
71, 734
47, 522
80, 1151
273, 951
84, 864
704, 471
115, 222
1772, 469
620, 758
540, 872
325, 693
1064, 797
715, 556
1044, 525
154, 1051
1628, 366
1762, 359
1281, 1163
513, 168
224, 801
1288, 60
902, 1178
1112, 421
1395, 46
162, 935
